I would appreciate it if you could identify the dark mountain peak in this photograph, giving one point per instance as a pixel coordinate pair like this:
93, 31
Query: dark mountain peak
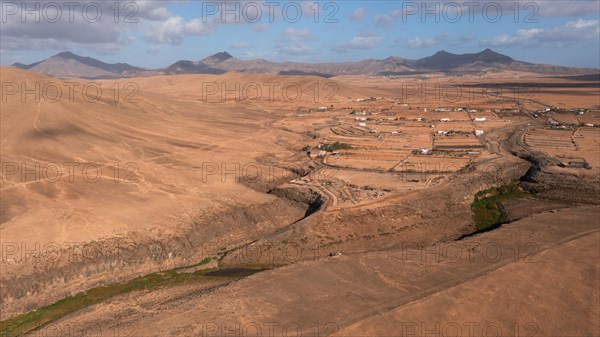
67, 55
491, 56
444, 60
21, 65
488, 51
72, 65
394, 59
443, 53
193, 67
220, 57
70, 61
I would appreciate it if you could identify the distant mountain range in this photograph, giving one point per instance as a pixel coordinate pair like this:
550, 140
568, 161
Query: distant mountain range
67, 64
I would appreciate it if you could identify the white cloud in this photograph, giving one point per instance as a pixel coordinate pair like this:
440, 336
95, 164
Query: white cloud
74, 30
358, 14
530, 11
173, 30
418, 42
293, 34
463, 40
361, 41
437, 41
296, 49
260, 55
293, 42
151, 10
153, 50
240, 45
259, 27
385, 20
63, 26
578, 30
565, 8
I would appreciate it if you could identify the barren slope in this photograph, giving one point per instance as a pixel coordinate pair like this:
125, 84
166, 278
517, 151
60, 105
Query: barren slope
539, 273
143, 170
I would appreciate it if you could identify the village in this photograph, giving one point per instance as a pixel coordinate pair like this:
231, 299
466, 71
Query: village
379, 147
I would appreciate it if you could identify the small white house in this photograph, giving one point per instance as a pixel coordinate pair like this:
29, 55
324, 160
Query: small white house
479, 132
362, 124
445, 120
480, 119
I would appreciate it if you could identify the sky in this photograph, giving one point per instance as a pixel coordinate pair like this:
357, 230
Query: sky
156, 34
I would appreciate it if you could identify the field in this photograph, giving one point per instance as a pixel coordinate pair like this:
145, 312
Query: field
181, 212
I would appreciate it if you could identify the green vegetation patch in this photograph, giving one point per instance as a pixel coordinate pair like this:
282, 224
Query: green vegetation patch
335, 147
33, 320
486, 210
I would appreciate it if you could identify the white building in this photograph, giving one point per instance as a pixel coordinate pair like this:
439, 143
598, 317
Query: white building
479, 132
362, 124
480, 119
445, 120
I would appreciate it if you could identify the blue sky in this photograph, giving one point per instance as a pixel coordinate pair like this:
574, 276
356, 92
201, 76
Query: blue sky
552, 32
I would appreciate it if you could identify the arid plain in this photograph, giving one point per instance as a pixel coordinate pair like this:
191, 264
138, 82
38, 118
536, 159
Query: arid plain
266, 205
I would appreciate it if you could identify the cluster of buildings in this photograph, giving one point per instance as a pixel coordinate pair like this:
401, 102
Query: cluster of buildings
370, 99
559, 110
